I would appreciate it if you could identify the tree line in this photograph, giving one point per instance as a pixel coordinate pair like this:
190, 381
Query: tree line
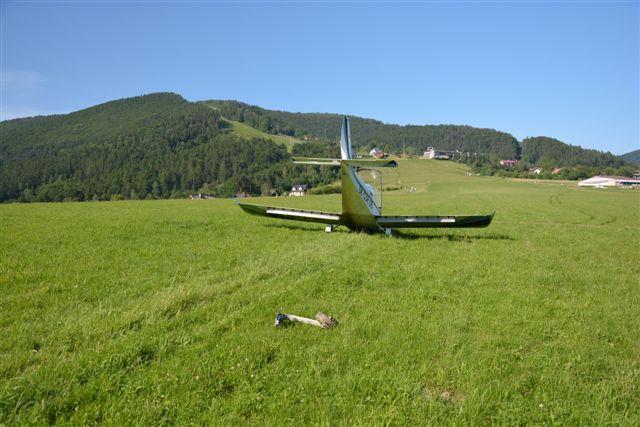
484, 146
556, 160
369, 133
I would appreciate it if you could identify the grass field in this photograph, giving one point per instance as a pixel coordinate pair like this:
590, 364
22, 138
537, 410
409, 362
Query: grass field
144, 312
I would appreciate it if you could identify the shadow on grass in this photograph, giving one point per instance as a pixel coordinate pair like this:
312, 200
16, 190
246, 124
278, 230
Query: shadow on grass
450, 237
313, 228
400, 234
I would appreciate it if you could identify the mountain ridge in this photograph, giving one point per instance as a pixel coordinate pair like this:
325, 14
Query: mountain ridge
153, 146
161, 145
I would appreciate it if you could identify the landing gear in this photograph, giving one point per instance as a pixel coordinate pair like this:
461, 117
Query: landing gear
328, 228
387, 232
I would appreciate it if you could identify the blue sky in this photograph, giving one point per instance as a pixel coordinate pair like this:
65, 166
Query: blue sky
568, 70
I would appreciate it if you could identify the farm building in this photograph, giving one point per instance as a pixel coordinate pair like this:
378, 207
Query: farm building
298, 190
200, 196
432, 153
378, 154
508, 162
610, 181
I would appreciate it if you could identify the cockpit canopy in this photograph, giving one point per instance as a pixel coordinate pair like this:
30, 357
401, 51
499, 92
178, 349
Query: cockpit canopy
373, 184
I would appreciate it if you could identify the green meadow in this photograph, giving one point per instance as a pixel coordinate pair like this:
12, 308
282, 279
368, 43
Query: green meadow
245, 131
162, 312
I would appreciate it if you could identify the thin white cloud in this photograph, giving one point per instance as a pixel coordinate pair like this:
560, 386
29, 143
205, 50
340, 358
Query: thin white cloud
20, 80
19, 91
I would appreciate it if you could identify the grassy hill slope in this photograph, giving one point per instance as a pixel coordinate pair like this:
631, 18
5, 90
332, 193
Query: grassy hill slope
162, 311
243, 130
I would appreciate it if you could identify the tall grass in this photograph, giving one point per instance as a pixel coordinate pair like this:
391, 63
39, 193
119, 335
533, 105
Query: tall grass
145, 312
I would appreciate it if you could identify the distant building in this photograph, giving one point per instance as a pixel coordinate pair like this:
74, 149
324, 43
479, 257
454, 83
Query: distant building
298, 190
636, 174
201, 196
535, 170
508, 163
377, 153
241, 195
555, 171
432, 153
610, 181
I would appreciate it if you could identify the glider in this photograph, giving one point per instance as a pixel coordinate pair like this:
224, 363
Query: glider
360, 209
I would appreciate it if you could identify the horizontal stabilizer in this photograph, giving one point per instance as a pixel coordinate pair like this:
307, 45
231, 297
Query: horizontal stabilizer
314, 161
371, 163
434, 221
365, 163
292, 214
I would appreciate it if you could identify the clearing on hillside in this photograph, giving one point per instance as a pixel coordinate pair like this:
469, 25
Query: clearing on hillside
245, 131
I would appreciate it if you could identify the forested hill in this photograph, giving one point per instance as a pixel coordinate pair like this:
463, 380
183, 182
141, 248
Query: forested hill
369, 133
161, 145
632, 157
100, 123
152, 146
549, 152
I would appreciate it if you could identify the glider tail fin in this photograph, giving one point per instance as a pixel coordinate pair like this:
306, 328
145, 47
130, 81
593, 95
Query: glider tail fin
345, 150
345, 140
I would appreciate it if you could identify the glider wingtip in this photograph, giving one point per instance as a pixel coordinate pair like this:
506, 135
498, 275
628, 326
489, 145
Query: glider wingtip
490, 219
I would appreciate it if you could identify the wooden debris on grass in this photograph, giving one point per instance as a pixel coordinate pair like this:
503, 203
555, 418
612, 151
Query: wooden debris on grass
322, 320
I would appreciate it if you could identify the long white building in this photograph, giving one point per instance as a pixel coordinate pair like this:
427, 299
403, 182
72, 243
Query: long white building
610, 181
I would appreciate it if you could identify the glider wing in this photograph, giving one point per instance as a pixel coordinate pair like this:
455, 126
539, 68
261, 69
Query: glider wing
434, 221
292, 214
365, 163
371, 163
